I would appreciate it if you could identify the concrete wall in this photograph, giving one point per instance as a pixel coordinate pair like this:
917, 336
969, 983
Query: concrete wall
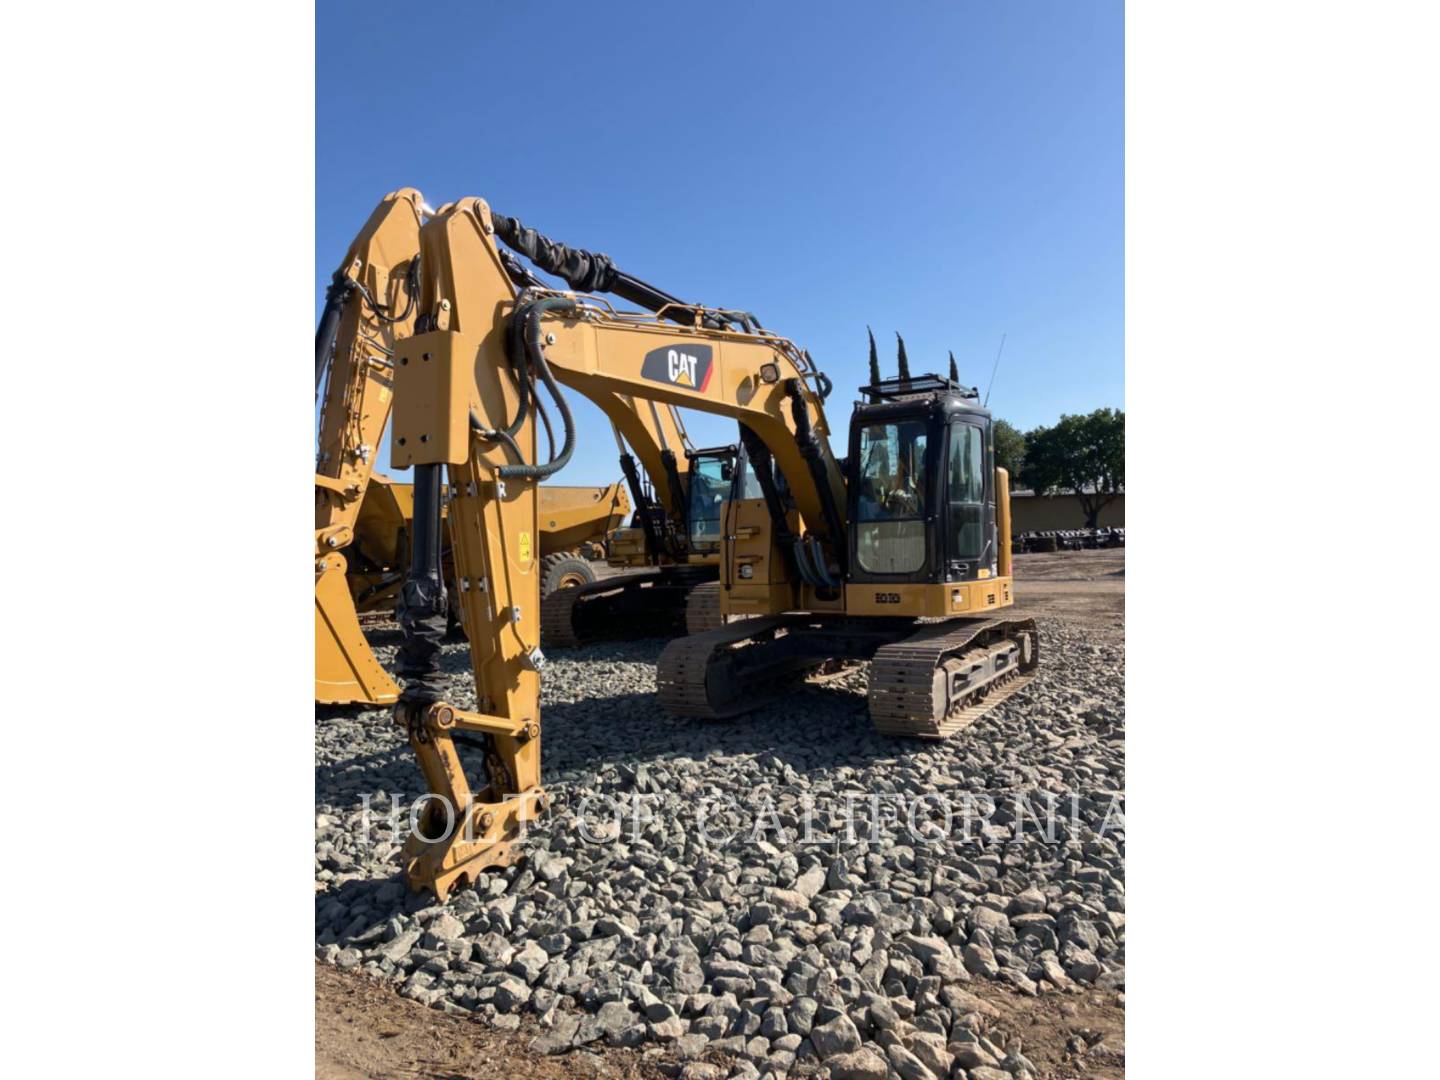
1037, 513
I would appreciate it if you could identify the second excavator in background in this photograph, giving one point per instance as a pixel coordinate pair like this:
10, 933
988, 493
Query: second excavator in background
369, 305
671, 549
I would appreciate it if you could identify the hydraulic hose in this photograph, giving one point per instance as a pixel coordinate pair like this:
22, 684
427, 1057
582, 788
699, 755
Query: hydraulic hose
412, 290
588, 271
762, 464
338, 294
802, 563
677, 493
654, 534
515, 354
814, 455
336, 297
545, 422
535, 351
817, 557
478, 426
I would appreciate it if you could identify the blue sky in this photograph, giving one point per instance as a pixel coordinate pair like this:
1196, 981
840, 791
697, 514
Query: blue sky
954, 171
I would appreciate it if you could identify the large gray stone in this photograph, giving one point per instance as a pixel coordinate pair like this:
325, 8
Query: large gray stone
836, 1037
863, 1064
530, 961
558, 1038
907, 1064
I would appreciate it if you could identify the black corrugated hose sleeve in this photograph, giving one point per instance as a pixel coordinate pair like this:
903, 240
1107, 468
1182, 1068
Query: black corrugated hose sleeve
583, 270
420, 610
587, 271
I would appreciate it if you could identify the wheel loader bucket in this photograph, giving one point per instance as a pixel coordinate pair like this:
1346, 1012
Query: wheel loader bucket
346, 671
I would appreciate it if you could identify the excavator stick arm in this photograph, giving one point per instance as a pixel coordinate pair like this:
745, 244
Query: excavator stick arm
369, 306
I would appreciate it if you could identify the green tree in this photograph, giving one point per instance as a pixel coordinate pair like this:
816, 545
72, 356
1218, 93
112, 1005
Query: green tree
1080, 454
1009, 449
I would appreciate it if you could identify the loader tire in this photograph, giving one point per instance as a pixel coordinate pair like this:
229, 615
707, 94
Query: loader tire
562, 570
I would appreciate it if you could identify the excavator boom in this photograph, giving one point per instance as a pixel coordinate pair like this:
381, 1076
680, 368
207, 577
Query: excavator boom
842, 560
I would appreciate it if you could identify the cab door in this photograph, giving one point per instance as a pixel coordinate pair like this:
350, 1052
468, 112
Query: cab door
968, 523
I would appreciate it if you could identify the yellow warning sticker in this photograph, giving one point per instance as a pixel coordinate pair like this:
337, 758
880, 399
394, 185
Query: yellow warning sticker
384, 394
524, 547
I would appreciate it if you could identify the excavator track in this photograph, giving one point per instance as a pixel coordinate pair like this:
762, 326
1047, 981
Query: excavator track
945, 676
702, 609
705, 676
928, 682
648, 604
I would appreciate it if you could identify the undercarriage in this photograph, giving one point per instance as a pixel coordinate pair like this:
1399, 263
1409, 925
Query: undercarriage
927, 680
651, 603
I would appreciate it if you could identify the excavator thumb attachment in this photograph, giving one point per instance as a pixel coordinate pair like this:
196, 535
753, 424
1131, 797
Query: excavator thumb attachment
346, 671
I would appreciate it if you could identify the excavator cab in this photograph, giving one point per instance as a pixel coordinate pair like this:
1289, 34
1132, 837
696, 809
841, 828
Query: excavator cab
710, 475
920, 483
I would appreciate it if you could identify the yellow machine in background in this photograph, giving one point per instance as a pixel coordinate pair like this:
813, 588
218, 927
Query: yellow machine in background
370, 303
673, 547
839, 560
574, 525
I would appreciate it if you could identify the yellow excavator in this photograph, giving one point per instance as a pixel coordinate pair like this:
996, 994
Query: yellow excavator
672, 548
362, 519
898, 554
369, 306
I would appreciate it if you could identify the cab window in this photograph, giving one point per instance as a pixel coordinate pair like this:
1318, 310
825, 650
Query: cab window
709, 487
890, 508
965, 490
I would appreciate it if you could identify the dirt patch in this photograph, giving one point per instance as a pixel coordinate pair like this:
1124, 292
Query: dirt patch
1063, 1035
1085, 588
364, 1029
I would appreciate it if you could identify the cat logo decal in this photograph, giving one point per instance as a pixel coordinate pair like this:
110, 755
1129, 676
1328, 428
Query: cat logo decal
688, 366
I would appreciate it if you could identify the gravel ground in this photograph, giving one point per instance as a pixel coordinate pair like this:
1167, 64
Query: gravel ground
825, 934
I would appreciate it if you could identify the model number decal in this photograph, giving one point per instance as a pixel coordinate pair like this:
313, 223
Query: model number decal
887, 598
685, 365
